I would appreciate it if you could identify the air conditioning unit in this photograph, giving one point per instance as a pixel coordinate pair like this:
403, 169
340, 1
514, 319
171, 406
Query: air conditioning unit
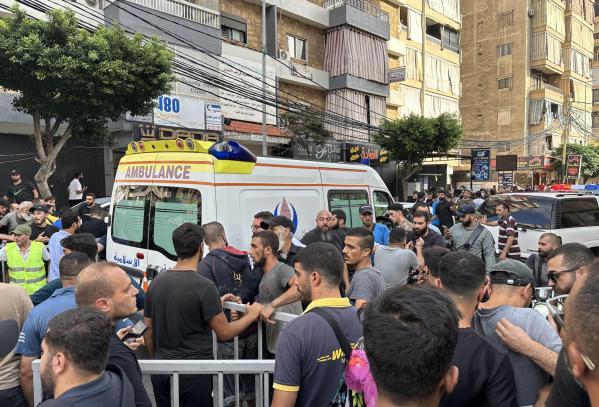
97, 4
284, 55
532, 12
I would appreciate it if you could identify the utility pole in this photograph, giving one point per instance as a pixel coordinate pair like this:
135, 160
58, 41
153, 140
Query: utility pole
264, 137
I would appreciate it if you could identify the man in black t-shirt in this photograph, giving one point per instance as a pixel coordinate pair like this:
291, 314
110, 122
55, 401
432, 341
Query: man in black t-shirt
20, 190
41, 229
486, 375
181, 310
95, 224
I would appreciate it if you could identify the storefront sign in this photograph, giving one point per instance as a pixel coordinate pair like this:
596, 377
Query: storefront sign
180, 111
397, 74
151, 132
574, 165
480, 164
533, 162
328, 151
506, 180
213, 117
369, 154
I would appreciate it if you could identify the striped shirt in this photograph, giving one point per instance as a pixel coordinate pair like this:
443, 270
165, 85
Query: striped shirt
508, 227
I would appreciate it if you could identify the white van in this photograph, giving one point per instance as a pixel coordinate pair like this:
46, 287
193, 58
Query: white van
161, 184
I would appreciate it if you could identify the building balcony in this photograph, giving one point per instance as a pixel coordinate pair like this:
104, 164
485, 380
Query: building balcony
547, 67
359, 84
360, 14
546, 91
197, 13
396, 47
396, 97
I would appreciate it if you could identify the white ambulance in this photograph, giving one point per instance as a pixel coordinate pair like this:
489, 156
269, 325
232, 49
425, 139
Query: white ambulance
161, 184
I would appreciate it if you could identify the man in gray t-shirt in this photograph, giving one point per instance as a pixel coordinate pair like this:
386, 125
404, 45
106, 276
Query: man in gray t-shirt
367, 282
531, 342
277, 289
394, 261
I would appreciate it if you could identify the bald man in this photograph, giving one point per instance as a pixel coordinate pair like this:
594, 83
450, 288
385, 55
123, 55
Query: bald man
322, 232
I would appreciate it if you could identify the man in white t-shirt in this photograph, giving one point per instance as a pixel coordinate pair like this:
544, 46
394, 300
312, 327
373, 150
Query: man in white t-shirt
76, 189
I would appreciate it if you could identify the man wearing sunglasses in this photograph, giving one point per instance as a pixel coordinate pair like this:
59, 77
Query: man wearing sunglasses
568, 269
506, 321
564, 263
581, 345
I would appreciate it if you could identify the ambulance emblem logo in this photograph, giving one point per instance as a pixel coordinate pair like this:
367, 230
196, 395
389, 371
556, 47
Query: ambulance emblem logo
288, 210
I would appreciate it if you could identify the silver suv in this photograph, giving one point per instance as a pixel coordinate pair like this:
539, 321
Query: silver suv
574, 217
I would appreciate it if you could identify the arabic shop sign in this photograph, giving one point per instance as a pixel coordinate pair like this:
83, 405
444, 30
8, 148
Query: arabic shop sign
328, 151
533, 162
369, 154
574, 165
152, 132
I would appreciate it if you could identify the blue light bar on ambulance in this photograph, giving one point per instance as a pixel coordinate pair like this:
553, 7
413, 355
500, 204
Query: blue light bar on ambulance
231, 150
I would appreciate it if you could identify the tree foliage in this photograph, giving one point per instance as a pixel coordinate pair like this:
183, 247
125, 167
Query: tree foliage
590, 159
411, 139
71, 81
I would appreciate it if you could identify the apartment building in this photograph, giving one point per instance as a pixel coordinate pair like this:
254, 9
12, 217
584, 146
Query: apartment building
424, 57
595, 116
526, 69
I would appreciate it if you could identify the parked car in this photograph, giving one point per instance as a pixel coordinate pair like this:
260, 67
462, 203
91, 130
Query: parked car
573, 217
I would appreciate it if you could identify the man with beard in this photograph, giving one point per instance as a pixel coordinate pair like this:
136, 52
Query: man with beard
508, 232
322, 231
442, 211
469, 236
73, 366
70, 223
20, 190
338, 220
41, 229
380, 232
537, 262
466, 199
564, 263
367, 282
107, 288
422, 231
277, 290
307, 373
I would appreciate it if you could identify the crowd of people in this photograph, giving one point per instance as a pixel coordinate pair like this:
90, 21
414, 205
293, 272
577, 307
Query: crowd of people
422, 313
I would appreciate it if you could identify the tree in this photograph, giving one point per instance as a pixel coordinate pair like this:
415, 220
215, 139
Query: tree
71, 81
306, 126
590, 159
411, 139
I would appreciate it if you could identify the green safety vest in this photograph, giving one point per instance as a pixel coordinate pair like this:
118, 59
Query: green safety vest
30, 274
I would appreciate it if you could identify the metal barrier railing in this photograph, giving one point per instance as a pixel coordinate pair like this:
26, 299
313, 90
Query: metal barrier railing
258, 367
175, 368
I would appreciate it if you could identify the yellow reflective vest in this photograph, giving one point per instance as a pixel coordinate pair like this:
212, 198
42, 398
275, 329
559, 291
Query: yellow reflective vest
29, 274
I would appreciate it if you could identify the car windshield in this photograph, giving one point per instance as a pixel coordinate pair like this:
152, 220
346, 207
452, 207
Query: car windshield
528, 210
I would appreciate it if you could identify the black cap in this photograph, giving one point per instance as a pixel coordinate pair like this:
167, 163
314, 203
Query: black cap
395, 207
42, 208
15, 172
518, 273
277, 221
465, 210
366, 209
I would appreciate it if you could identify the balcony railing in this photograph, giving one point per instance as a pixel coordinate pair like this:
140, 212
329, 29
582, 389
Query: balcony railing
539, 86
361, 5
434, 40
189, 11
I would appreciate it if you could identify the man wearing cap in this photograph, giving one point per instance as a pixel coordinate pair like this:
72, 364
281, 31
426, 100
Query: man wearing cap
20, 190
379, 231
395, 212
283, 228
14, 308
41, 229
507, 322
25, 260
468, 235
